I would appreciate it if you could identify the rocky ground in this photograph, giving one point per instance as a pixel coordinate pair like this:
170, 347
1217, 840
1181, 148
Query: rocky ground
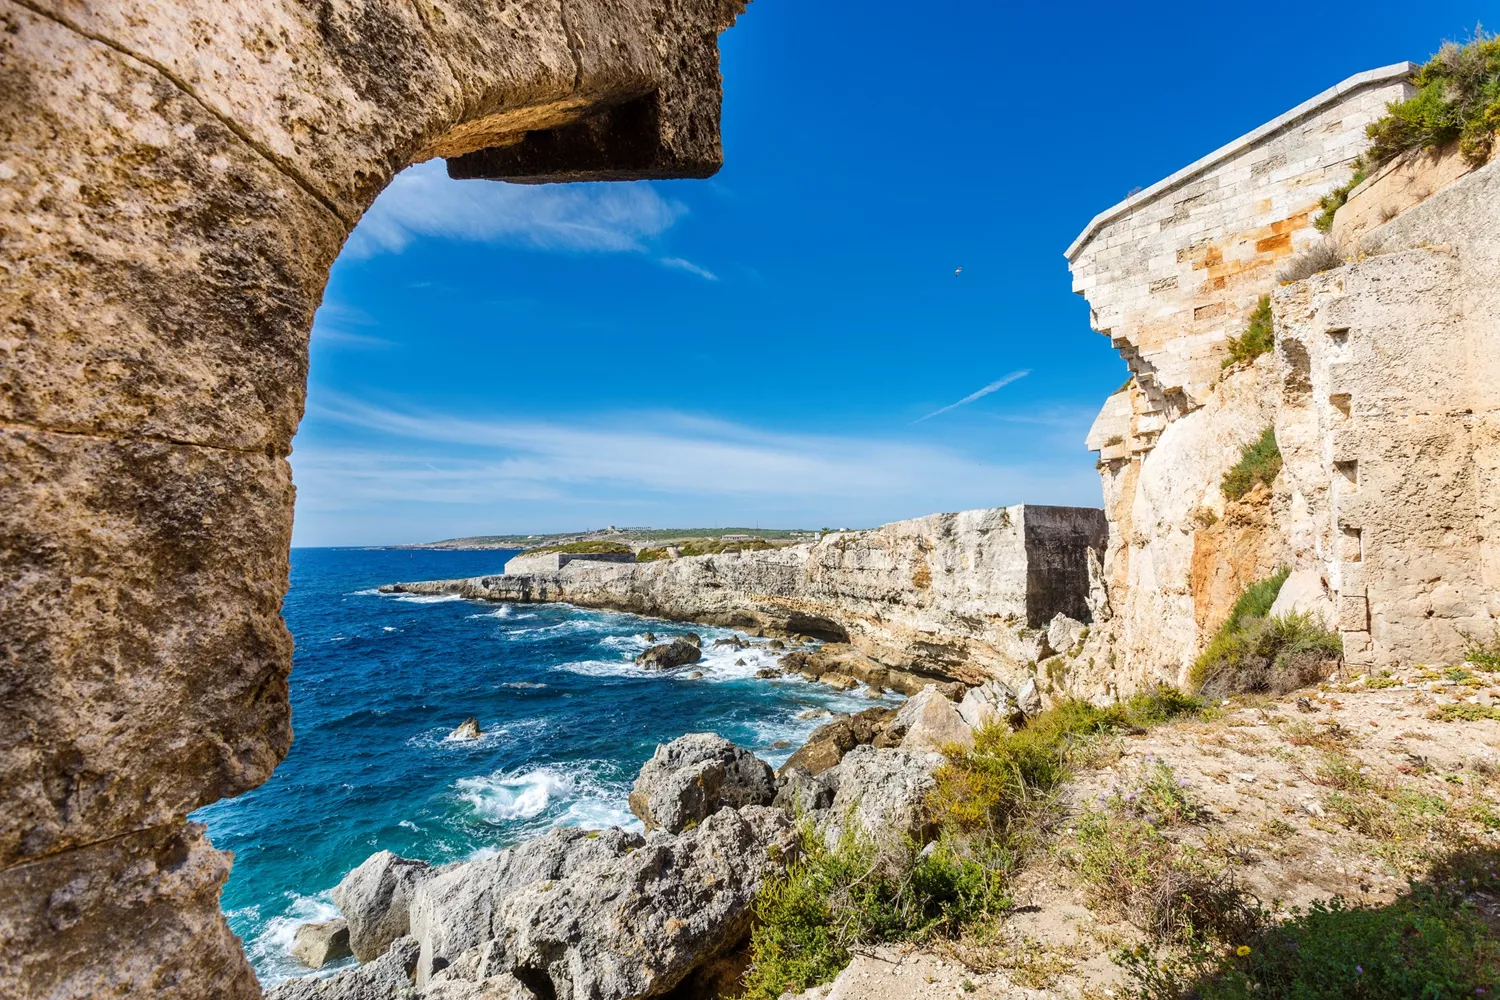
1349, 789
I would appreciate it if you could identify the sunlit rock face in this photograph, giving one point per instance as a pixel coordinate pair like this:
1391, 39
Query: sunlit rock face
966, 596
175, 182
1380, 388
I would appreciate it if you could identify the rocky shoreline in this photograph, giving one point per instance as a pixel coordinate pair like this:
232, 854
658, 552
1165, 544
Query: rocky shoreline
611, 914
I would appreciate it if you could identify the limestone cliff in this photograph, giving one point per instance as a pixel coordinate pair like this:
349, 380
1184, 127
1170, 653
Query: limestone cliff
178, 177
964, 595
1381, 389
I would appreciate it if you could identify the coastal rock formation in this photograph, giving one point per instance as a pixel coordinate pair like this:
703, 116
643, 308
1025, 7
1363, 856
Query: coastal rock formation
455, 910
376, 898
179, 178
467, 730
315, 945
990, 704
827, 744
882, 793
1380, 390
386, 978
695, 776
929, 721
670, 655
962, 596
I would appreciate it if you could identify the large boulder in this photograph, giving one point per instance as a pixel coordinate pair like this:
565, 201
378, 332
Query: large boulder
882, 794
385, 979
639, 925
824, 748
694, 776
992, 703
374, 899
315, 945
454, 910
1304, 592
1029, 697
670, 655
1064, 633
803, 793
932, 722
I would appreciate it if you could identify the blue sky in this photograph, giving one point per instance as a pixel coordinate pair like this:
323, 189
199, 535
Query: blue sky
783, 345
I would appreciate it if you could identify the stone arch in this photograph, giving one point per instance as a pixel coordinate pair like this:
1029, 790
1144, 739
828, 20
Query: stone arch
176, 179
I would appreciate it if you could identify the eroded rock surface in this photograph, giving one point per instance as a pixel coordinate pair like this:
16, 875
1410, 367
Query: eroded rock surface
693, 777
376, 898
179, 178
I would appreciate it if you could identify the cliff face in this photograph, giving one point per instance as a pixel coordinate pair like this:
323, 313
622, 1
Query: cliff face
1381, 390
963, 595
178, 178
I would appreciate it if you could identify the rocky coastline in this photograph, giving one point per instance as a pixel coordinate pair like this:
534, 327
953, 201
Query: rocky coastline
611, 914
966, 597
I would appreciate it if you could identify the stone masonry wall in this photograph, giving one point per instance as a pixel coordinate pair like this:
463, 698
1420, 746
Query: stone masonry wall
1171, 273
176, 179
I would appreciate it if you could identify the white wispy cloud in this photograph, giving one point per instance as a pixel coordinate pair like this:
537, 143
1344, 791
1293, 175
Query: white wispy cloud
467, 460
688, 266
999, 383
423, 201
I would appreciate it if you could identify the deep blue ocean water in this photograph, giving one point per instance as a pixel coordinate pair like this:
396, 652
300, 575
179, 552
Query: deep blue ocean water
378, 683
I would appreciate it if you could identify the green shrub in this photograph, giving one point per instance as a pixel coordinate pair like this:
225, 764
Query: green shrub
1335, 199
1258, 338
1457, 98
1483, 653
1431, 943
832, 900
580, 548
1272, 655
1260, 462
1316, 259
992, 787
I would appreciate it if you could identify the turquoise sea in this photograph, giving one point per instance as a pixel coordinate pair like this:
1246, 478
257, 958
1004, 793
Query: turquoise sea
378, 683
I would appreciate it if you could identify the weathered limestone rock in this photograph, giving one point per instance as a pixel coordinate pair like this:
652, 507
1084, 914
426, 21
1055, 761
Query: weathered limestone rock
467, 730
670, 655
1029, 698
694, 776
455, 909
827, 744
387, 978
376, 898
803, 793
637, 926
156, 887
949, 595
178, 179
932, 722
882, 793
1381, 391
1305, 592
315, 945
1064, 633
990, 704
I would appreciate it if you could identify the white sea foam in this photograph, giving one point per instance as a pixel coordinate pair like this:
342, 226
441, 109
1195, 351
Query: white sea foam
424, 598
503, 611
271, 949
564, 794
389, 628
410, 825
523, 685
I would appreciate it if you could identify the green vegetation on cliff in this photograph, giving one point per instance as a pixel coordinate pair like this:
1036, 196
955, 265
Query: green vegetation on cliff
705, 547
1258, 338
1255, 652
1457, 98
1260, 462
581, 548
992, 804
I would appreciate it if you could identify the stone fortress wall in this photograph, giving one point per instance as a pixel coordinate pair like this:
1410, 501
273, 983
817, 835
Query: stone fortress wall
1381, 391
176, 178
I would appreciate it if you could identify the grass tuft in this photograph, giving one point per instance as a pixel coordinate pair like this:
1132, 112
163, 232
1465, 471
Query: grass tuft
1258, 338
1260, 462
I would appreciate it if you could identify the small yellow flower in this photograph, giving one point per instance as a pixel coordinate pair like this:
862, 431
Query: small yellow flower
1242, 950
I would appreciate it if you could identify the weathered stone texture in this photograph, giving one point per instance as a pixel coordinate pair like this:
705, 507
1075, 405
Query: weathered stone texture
1382, 390
1171, 272
175, 181
964, 595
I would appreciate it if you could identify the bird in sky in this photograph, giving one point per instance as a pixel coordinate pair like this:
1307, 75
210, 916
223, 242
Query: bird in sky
957, 271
